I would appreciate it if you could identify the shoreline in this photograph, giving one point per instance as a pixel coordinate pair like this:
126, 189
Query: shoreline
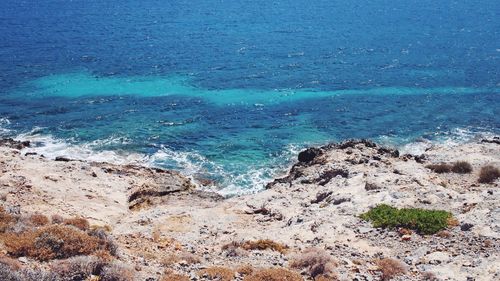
316, 204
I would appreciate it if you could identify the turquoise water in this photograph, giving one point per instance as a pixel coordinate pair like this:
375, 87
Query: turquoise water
231, 91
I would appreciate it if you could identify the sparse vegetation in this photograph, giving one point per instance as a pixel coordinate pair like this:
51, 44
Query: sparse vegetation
274, 274
488, 174
461, 167
421, 220
184, 257
390, 268
6, 220
172, 276
245, 269
261, 245
439, 168
39, 219
80, 223
51, 242
317, 262
217, 273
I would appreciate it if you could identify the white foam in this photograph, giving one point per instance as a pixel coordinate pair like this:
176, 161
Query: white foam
4, 123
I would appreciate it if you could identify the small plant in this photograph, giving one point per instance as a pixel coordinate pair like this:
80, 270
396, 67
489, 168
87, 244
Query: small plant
264, 244
217, 273
390, 268
316, 261
245, 269
185, 257
420, 220
439, 168
461, 167
39, 219
57, 219
80, 223
116, 272
169, 275
274, 274
6, 220
488, 174
261, 245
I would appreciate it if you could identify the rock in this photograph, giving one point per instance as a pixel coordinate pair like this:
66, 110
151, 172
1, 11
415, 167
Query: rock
371, 186
309, 154
437, 257
466, 226
364, 230
328, 175
14, 143
23, 259
62, 159
162, 183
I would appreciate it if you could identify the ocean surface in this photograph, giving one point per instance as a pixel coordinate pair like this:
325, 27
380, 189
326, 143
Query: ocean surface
232, 90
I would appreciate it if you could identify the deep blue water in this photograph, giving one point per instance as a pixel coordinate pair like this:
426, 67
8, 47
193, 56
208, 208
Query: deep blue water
231, 89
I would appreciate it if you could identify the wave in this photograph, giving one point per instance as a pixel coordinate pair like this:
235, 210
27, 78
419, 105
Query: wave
4, 123
231, 179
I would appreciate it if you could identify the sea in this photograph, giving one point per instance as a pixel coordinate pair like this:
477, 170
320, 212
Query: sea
231, 91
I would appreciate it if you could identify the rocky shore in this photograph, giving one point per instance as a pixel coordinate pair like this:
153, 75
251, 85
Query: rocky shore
305, 225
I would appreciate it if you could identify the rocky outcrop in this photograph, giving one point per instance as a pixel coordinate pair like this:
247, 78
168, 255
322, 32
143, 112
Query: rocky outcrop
9, 142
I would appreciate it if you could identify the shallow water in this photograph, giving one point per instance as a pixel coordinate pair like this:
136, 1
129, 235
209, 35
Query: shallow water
231, 90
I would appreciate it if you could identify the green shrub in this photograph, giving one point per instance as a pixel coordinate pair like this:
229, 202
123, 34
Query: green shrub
421, 220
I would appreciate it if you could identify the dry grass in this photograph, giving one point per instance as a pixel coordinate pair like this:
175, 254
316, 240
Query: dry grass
80, 223
39, 220
461, 167
245, 269
390, 268
172, 276
440, 168
316, 262
51, 242
261, 245
274, 274
183, 257
217, 273
57, 219
116, 272
488, 174
6, 220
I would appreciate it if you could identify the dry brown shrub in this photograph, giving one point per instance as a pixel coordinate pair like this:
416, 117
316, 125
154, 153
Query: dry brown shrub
245, 269
78, 268
439, 168
274, 274
80, 223
217, 273
390, 268
57, 219
444, 234
180, 257
488, 174
6, 220
169, 275
461, 167
116, 272
51, 242
429, 276
262, 244
316, 261
39, 219
326, 278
